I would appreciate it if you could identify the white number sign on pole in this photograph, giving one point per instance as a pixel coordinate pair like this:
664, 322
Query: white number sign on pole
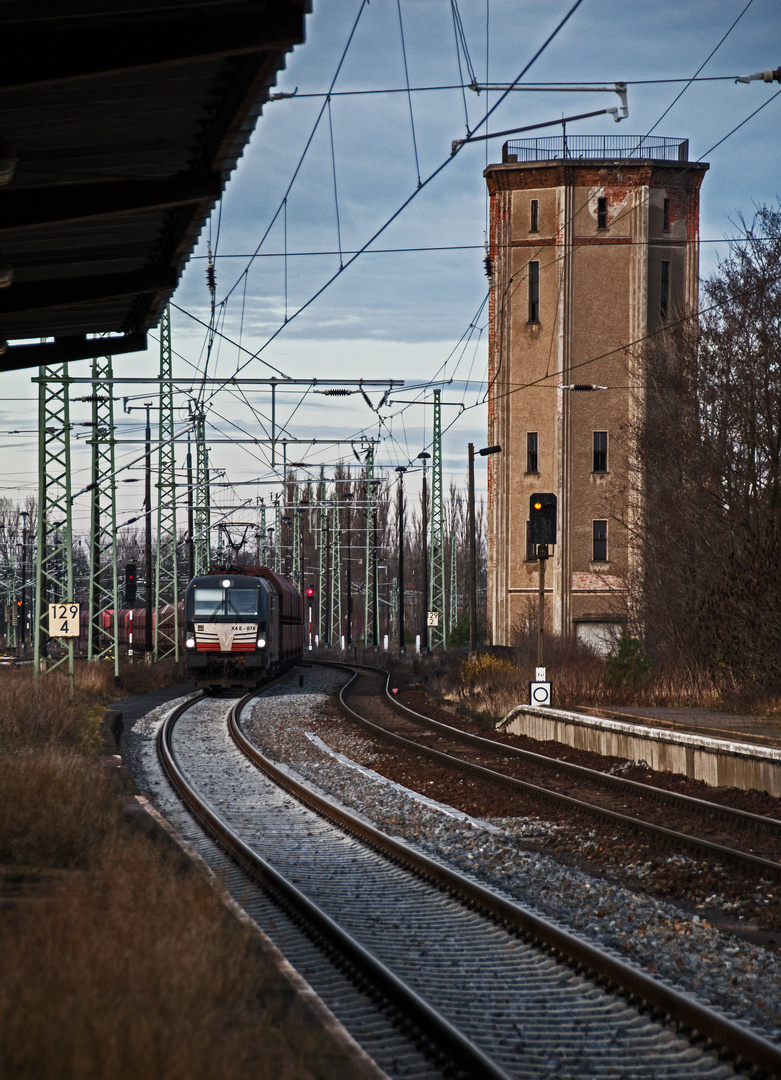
64, 620
432, 618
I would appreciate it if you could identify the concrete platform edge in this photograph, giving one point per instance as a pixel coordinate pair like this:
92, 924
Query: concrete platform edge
719, 762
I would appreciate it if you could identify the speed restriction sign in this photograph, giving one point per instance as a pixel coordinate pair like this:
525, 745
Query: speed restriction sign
64, 620
539, 693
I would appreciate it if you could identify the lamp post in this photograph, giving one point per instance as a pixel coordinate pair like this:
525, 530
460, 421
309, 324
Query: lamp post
473, 543
424, 621
401, 470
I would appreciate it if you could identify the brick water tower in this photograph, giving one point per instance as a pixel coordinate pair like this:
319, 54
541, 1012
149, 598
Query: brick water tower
593, 250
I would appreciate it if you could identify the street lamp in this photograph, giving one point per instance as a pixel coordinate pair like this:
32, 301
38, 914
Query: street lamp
401, 470
424, 456
472, 542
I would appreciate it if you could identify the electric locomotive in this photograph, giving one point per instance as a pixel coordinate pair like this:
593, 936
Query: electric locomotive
241, 627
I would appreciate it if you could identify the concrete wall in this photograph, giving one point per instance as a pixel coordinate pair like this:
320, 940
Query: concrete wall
719, 762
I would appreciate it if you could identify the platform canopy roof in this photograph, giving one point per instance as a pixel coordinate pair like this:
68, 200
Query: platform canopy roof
120, 124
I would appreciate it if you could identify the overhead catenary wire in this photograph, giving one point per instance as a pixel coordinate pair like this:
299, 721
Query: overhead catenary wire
303, 307
409, 96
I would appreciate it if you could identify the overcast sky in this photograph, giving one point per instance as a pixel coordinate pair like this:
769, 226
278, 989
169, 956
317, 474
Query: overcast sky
418, 315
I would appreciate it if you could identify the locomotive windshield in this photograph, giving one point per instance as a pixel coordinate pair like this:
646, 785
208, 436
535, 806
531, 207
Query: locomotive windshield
209, 603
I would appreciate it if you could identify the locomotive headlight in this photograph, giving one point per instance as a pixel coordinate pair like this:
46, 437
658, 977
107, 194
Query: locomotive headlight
261, 643
226, 584
189, 643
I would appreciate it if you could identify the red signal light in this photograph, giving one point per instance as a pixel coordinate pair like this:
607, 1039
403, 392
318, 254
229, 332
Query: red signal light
310, 592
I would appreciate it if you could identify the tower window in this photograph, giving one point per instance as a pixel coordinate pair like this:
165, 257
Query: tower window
602, 213
534, 216
532, 458
666, 215
534, 292
600, 451
599, 542
664, 291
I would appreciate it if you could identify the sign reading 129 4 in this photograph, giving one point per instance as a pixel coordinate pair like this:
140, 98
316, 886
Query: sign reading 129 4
64, 620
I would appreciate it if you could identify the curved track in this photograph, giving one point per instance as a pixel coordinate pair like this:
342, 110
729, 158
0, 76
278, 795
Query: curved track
484, 985
367, 700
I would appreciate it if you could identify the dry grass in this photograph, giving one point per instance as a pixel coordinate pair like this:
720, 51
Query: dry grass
116, 960
132, 968
55, 807
43, 714
578, 678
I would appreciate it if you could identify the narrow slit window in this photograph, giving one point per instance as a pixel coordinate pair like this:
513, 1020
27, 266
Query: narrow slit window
666, 215
534, 292
664, 291
534, 216
599, 543
600, 451
602, 213
532, 447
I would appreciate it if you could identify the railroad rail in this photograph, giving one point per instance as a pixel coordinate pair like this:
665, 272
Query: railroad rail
540, 963
699, 845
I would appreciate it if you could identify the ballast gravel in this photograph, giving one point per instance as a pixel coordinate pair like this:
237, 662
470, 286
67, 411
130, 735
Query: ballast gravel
293, 725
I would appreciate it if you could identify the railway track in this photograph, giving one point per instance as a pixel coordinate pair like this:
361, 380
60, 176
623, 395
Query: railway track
708, 830
483, 987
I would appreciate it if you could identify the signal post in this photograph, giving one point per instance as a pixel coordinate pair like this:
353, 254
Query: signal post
542, 534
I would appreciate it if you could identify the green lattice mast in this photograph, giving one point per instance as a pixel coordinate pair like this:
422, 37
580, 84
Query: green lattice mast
370, 556
166, 569
103, 586
263, 545
296, 560
202, 528
336, 574
54, 558
277, 537
322, 581
437, 634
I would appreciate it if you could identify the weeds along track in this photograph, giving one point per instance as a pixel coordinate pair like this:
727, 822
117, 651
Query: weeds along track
458, 980
717, 832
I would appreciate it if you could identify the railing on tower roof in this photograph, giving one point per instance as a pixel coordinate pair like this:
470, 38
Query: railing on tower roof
595, 148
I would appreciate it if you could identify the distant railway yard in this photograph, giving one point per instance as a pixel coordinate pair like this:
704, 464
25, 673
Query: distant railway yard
470, 903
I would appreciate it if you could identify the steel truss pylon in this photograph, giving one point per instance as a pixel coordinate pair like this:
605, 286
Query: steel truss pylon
263, 538
336, 574
437, 634
103, 633
166, 566
54, 557
371, 614
277, 537
322, 579
296, 560
202, 527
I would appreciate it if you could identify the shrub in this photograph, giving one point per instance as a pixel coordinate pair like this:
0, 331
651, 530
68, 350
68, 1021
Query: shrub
628, 666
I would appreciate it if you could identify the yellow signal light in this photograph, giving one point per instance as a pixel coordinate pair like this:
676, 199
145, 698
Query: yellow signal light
538, 506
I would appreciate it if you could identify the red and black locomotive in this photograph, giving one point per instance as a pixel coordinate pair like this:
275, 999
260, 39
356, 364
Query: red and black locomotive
241, 627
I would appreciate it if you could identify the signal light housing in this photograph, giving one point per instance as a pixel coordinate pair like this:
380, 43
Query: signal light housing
542, 518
